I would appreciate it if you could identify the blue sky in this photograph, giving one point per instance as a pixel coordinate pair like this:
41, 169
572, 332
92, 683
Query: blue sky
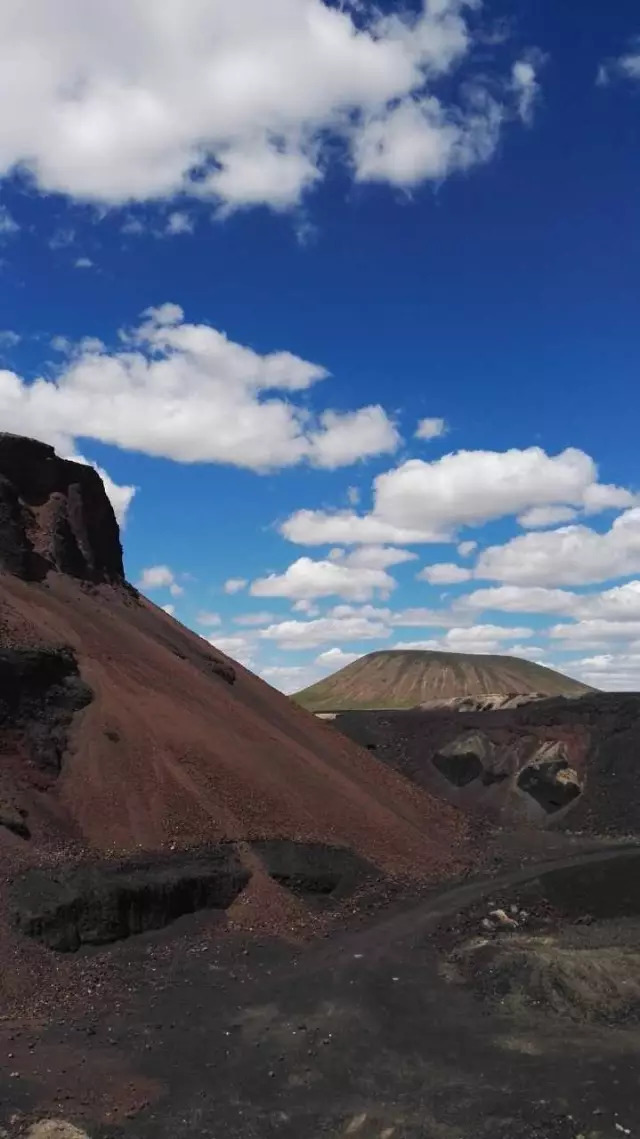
246, 251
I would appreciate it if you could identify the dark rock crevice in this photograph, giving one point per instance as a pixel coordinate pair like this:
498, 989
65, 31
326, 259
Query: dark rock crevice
40, 691
98, 903
312, 869
460, 768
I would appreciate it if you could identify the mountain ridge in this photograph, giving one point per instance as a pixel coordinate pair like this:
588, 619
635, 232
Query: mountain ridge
407, 678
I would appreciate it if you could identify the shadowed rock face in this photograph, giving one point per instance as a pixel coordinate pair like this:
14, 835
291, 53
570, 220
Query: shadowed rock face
99, 903
312, 869
40, 689
54, 515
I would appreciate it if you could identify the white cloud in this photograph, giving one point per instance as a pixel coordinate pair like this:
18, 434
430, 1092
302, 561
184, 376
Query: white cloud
344, 437
210, 619
307, 607
306, 579
630, 65
9, 339
611, 671
185, 392
235, 585
324, 630
322, 527
377, 557
621, 603
290, 678
375, 612
431, 429
526, 87
425, 618
160, 577
465, 549
353, 495
573, 555
475, 639
84, 263
119, 496
596, 632
422, 501
626, 66
519, 599
8, 225
179, 223
334, 659
241, 102
539, 517
444, 574
248, 620
170, 609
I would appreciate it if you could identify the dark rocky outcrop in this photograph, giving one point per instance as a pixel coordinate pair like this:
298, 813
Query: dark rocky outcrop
54, 515
40, 690
572, 764
101, 902
312, 868
553, 785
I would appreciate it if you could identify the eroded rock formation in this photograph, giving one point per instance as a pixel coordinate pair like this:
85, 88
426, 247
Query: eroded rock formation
54, 515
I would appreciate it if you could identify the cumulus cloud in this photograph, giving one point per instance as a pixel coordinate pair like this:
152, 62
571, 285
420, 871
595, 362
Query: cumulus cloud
170, 609
243, 103
324, 630
572, 555
476, 639
445, 573
526, 87
235, 585
465, 549
430, 429
612, 671
626, 66
421, 501
336, 658
9, 338
519, 599
178, 223
160, 577
306, 579
186, 392
289, 678
596, 632
373, 557
83, 263
539, 517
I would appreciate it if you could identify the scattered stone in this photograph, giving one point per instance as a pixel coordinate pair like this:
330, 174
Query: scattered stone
503, 919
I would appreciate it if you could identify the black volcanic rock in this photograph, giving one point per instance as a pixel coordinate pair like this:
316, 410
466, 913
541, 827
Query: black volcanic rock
97, 903
40, 690
54, 515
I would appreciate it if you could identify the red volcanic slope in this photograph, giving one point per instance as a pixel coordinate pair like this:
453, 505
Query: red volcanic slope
169, 753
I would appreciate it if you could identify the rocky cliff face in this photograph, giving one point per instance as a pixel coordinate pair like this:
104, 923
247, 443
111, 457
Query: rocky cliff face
54, 515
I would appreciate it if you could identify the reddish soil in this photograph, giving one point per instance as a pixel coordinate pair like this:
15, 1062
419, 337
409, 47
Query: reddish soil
169, 753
